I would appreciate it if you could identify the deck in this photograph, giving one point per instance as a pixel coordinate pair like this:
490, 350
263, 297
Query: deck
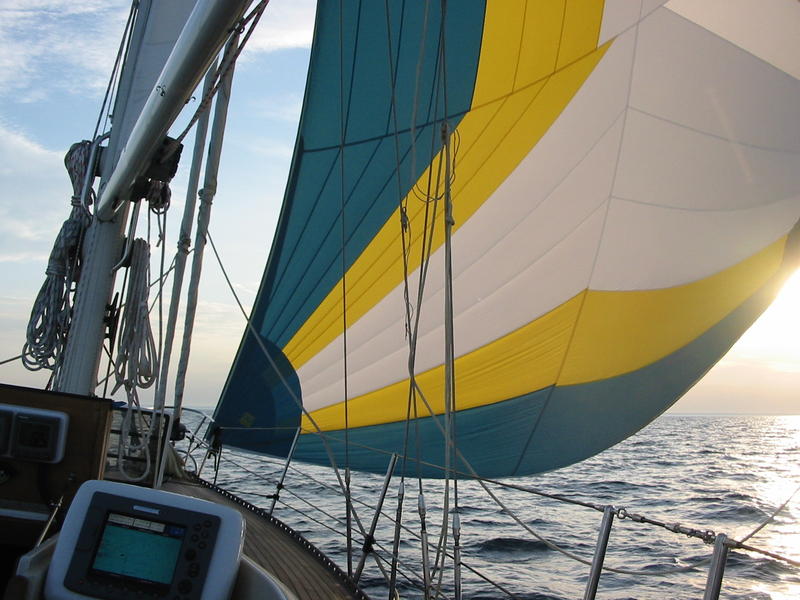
278, 549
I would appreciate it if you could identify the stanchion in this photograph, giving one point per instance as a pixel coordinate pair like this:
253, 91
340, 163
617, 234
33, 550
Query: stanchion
715, 572
599, 553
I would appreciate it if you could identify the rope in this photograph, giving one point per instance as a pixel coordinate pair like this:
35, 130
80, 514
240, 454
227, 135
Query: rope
228, 61
124, 46
404, 230
332, 517
10, 360
51, 313
621, 513
136, 363
705, 535
292, 394
770, 518
343, 230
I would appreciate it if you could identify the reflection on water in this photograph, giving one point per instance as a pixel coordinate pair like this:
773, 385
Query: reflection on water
777, 456
726, 474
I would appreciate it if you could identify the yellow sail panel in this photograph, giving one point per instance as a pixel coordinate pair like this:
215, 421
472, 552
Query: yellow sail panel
493, 139
520, 46
595, 335
619, 332
499, 370
660, 173
581, 30
539, 52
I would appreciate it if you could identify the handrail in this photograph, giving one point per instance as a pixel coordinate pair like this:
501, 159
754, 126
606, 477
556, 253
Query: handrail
722, 544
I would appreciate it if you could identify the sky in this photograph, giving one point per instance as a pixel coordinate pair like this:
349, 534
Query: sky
55, 59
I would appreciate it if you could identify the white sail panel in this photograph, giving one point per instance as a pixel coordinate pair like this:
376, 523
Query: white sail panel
159, 24
752, 26
506, 250
621, 15
587, 177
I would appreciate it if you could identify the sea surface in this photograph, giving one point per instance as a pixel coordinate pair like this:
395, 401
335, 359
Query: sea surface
727, 474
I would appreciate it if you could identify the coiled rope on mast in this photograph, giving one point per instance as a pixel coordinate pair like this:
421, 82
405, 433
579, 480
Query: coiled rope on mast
136, 363
50, 316
49, 322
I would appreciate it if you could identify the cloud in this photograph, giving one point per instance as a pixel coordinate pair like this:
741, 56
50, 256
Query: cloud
740, 387
35, 199
285, 24
284, 107
250, 290
48, 45
220, 322
270, 148
22, 257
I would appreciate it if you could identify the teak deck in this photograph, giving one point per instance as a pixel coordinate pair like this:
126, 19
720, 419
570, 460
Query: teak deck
277, 551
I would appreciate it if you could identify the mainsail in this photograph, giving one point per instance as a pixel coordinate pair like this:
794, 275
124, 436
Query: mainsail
625, 184
158, 27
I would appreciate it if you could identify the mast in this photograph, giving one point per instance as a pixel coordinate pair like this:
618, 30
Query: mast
103, 244
207, 28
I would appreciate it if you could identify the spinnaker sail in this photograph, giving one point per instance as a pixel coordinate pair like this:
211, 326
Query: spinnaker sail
626, 188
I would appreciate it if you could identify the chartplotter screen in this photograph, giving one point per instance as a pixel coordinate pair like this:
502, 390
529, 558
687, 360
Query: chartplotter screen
138, 548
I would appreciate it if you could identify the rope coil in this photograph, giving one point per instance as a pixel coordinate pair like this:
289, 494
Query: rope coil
52, 311
136, 363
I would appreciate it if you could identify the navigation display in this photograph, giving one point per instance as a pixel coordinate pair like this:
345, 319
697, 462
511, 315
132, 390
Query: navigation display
32, 434
124, 542
36, 434
138, 548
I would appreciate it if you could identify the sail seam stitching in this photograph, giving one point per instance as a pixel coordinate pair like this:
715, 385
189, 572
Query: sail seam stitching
549, 396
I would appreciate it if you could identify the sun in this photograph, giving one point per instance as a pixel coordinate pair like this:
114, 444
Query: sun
774, 338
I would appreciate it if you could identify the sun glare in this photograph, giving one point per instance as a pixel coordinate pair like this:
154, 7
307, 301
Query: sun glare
775, 337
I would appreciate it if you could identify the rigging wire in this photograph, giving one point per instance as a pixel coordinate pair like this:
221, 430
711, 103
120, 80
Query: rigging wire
343, 120
449, 367
621, 513
225, 66
315, 507
122, 53
404, 224
291, 392
10, 360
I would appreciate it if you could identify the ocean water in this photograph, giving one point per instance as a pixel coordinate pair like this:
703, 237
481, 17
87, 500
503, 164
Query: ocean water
722, 473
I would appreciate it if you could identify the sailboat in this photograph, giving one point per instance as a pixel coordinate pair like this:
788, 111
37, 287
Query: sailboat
513, 233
